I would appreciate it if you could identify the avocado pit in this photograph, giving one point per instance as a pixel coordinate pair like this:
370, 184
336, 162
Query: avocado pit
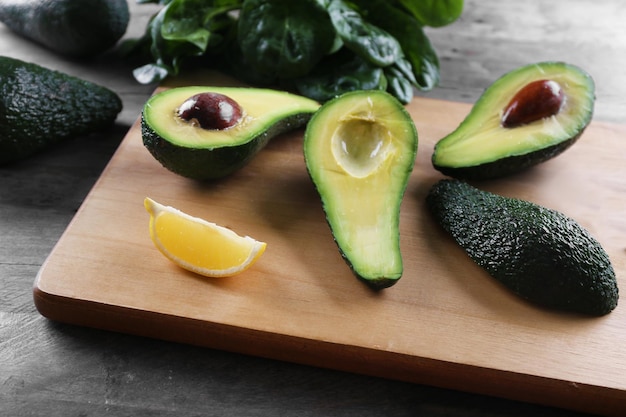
211, 111
535, 101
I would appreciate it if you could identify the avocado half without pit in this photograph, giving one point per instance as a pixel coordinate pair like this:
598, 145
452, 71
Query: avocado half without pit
526, 117
359, 150
206, 133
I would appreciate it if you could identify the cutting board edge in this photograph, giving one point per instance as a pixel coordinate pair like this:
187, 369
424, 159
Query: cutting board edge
359, 360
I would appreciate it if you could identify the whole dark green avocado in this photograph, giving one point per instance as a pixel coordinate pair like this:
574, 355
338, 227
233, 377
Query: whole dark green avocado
540, 254
40, 107
76, 28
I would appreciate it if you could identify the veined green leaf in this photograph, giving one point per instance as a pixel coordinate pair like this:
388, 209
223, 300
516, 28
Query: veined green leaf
194, 21
399, 83
366, 40
323, 47
340, 73
181, 29
284, 38
409, 32
434, 13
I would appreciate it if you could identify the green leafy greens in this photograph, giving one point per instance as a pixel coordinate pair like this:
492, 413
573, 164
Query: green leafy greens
319, 48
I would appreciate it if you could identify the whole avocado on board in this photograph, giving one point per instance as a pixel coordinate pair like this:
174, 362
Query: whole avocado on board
76, 28
40, 107
538, 253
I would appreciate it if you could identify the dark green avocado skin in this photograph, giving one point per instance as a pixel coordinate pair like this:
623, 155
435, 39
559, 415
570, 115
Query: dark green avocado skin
507, 166
76, 28
538, 253
40, 107
204, 164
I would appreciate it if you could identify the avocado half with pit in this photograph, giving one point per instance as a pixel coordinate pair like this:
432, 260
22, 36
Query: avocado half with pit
526, 117
207, 133
359, 150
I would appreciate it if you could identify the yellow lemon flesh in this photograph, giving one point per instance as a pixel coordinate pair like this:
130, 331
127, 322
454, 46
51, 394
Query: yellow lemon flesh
198, 245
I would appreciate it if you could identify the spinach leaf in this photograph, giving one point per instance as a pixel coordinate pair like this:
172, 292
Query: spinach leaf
196, 22
338, 74
366, 40
416, 46
422, 55
400, 82
161, 65
183, 29
283, 38
320, 48
435, 13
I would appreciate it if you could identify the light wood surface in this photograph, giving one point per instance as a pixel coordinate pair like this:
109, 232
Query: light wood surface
301, 303
53, 369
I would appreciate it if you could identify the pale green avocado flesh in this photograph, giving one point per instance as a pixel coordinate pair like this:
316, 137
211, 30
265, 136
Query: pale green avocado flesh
481, 148
359, 151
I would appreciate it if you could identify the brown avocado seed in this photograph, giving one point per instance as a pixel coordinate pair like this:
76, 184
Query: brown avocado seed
535, 101
211, 111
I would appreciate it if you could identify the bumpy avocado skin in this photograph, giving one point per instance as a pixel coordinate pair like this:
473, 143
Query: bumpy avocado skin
40, 107
211, 164
76, 28
540, 254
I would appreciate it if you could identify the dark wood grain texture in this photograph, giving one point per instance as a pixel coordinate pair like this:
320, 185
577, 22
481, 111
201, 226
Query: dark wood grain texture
52, 369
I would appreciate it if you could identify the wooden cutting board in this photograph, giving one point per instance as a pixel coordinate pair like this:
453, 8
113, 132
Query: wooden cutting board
446, 323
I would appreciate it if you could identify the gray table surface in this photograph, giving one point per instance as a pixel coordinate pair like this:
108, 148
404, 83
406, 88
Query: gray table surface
52, 369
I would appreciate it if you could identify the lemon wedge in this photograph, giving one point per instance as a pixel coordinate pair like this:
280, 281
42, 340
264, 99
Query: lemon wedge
198, 245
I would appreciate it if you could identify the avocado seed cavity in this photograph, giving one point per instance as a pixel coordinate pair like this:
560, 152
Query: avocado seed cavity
360, 146
537, 100
211, 111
